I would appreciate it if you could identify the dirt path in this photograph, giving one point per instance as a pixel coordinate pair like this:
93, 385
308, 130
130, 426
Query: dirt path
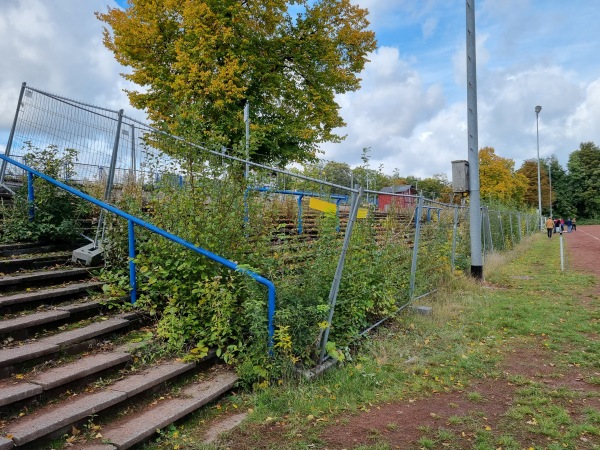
583, 248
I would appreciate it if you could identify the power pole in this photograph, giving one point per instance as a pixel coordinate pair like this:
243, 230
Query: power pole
473, 144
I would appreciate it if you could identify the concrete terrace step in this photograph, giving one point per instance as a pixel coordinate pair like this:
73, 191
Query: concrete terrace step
128, 432
45, 276
12, 392
9, 357
48, 294
58, 417
19, 327
33, 262
24, 248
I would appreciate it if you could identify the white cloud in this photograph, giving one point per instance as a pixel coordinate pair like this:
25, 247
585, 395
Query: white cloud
411, 109
582, 124
429, 27
56, 47
395, 114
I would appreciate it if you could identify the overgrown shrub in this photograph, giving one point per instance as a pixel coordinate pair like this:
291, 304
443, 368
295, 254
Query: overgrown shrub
57, 213
199, 304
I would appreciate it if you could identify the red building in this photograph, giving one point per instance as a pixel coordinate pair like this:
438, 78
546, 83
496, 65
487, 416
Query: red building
399, 201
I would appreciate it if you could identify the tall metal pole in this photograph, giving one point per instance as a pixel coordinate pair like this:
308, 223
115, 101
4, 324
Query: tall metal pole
474, 199
247, 121
537, 114
550, 180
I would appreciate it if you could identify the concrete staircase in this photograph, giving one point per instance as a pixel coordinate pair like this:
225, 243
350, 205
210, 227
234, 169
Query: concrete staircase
68, 361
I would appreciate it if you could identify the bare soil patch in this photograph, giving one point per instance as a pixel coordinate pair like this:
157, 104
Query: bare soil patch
583, 248
402, 424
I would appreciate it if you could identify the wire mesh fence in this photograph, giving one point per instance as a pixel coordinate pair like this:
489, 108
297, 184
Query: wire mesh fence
343, 259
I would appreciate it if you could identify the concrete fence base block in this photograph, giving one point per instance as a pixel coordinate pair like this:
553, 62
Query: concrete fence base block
422, 310
309, 374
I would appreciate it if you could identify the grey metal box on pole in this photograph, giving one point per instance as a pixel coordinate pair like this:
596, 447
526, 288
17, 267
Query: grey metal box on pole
460, 176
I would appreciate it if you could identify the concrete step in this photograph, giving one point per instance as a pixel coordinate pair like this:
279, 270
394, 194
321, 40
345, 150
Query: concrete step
54, 419
47, 277
131, 431
17, 301
21, 327
12, 358
17, 392
23, 248
33, 262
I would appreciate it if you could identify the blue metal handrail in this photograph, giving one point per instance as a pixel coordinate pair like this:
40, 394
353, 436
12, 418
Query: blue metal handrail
134, 220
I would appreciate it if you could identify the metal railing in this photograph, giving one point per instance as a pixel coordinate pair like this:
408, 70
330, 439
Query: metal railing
132, 220
418, 241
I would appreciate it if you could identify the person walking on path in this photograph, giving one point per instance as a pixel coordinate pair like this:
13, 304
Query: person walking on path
549, 226
574, 223
569, 225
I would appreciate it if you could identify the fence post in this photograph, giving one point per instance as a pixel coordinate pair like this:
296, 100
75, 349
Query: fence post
413, 266
512, 236
501, 230
133, 158
30, 196
489, 229
132, 274
111, 176
335, 285
12, 133
483, 232
454, 233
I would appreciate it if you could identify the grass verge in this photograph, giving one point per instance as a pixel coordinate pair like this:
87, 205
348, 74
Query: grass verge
510, 363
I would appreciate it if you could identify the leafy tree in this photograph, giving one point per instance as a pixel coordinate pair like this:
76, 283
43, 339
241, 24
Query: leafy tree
529, 170
437, 187
338, 173
561, 192
498, 179
199, 61
584, 174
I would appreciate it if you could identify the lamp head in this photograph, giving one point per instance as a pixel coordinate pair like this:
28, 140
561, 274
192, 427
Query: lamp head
538, 109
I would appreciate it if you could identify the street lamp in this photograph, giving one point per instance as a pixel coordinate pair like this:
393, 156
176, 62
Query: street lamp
537, 115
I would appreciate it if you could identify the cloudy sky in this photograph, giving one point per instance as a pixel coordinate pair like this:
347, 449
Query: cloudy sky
411, 109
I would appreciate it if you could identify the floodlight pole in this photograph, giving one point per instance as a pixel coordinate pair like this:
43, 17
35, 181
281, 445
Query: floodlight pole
537, 114
550, 181
474, 194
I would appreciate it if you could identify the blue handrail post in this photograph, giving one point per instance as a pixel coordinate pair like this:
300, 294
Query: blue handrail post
300, 197
246, 207
132, 275
30, 196
271, 317
337, 214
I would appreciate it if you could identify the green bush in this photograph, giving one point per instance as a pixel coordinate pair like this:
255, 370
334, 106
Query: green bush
199, 304
57, 214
